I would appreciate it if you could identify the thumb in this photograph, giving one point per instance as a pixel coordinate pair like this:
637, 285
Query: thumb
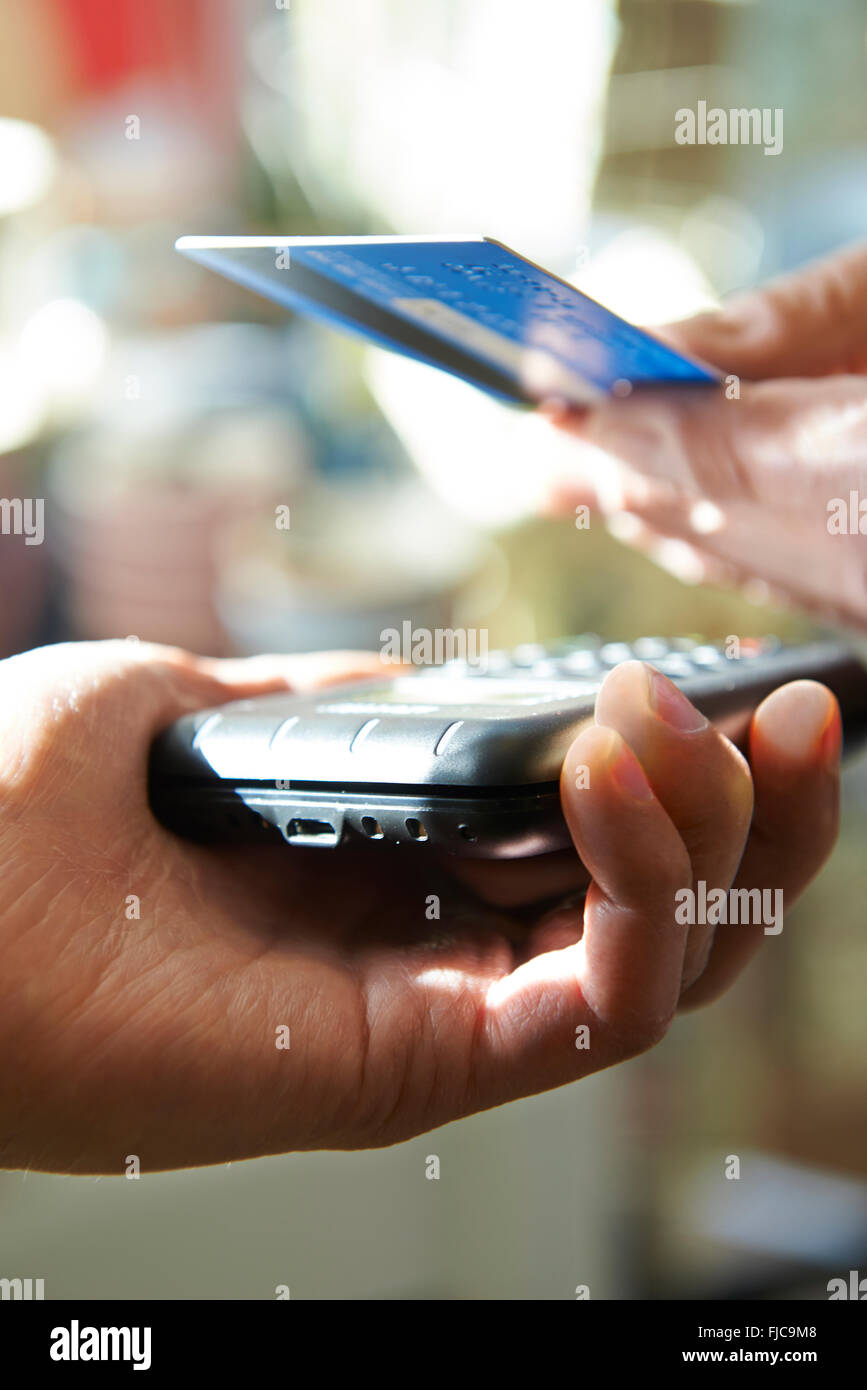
61, 704
806, 324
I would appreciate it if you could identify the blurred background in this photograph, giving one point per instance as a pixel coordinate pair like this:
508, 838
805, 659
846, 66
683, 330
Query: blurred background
163, 414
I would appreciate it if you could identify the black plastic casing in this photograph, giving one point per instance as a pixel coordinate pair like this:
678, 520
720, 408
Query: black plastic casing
432, 759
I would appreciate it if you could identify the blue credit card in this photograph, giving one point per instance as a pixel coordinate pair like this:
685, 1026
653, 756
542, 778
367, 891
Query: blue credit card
465, 304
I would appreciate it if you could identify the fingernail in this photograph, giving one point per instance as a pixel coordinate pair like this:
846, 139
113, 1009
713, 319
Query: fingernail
802, 721
672, 706
628, 774
832, 739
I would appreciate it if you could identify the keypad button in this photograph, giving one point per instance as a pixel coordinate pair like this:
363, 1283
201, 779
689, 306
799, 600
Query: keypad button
751, 647
614, 652
495, 663
677, 666
548, 670
649, 648
584, 663
707, 656
529, 653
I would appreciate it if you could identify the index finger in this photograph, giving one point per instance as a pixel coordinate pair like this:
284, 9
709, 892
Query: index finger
569, 1012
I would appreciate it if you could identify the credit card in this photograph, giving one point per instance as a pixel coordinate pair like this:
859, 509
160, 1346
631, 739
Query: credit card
466, 304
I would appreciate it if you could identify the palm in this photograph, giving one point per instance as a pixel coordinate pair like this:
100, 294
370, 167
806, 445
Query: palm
191, 962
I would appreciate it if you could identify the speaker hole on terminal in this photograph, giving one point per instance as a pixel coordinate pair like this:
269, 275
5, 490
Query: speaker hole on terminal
371, 828
415, 829
467, 834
